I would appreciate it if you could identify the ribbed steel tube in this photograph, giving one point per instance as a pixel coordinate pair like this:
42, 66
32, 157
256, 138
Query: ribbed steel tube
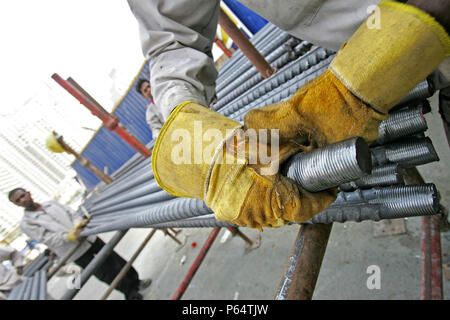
293, 69
400, 124
283, 92
284, 53
141, 190
381, 203
330, 166
43, 285
412, 153
240, 68
147, 199
35, 286
422, 91
246, 83
386, 175
258, 41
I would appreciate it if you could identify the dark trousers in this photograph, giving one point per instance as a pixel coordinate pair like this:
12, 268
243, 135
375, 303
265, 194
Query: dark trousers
109, 269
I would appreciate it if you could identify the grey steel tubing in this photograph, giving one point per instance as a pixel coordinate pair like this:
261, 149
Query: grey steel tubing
140, 190
245, 83
330, 166
260, 36
15, 291
46, 266
35, 267
281, 86
422, 91
203, 222
99, 258
138, 180
284, 91
240, 78
22, 289
127, 178
411, 152
291, 70
27, 292
386, 175
147, 199
33, 263
64, 259
248, 64
35, 286
419, 199
400, 124
175, 209
43, 286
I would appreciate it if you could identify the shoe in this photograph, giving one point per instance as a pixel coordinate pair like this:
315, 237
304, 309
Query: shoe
144, 284
135, 296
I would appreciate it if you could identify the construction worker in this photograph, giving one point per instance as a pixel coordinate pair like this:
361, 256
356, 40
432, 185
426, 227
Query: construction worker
381, 57
9, 278
58, 227
153, 115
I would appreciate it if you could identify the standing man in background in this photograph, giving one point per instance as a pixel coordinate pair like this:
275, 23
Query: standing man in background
58, 227
153, 116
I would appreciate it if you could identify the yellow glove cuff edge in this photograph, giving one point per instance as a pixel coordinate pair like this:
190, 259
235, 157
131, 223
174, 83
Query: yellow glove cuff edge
157, 146
424, 17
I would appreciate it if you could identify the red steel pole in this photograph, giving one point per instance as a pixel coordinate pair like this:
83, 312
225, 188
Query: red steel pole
110, 121
187, 280
222, 46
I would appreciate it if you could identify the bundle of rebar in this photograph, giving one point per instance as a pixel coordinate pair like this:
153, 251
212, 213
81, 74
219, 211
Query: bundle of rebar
32, 288
134, 199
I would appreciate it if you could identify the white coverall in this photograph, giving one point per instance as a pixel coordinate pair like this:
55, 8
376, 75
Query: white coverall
9, 278
178, 35
154, 119
50, 227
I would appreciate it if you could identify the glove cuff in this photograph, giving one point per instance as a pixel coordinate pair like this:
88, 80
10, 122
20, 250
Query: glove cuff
185, 148
381, 63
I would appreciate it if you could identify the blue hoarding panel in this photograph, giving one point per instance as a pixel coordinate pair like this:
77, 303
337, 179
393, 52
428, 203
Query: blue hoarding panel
252, 20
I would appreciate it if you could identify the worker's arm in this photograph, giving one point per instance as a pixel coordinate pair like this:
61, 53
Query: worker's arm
177, 37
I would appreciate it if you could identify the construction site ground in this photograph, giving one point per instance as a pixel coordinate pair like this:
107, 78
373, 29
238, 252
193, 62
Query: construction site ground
232, 272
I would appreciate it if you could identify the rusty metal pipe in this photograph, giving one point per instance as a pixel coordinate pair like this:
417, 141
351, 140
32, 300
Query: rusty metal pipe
303, 267
245, 45
431, 257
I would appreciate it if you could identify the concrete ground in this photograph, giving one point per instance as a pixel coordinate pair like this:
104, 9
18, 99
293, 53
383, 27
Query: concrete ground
229, 272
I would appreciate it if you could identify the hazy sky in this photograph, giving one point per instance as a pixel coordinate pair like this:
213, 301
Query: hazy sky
78, 38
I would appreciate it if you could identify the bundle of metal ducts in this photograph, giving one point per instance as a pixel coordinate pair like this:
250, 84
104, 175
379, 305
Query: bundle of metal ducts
135, 200
41, 262
32, 288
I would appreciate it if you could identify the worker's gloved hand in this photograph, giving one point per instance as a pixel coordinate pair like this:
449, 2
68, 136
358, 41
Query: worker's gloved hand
74, 234
202, 154
372, 72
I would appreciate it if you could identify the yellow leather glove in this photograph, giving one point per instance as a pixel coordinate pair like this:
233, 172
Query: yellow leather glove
372, 72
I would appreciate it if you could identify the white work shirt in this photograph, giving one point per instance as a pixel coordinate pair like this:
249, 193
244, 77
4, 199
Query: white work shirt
154, 119
9, 278
51, 225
